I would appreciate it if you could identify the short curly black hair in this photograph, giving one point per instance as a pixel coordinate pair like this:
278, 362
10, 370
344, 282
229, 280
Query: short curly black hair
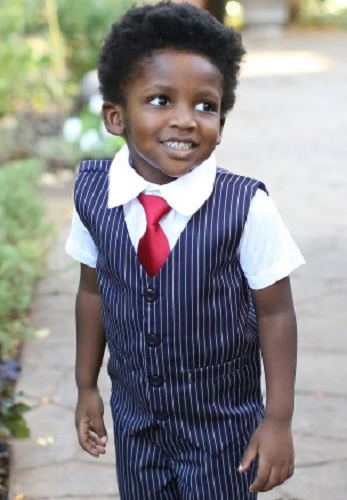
167, 25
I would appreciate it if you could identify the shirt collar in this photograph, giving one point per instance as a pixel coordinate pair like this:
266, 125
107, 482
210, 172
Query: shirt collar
185, 195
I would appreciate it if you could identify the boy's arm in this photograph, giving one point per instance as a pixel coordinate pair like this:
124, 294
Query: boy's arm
272, 440
90, 348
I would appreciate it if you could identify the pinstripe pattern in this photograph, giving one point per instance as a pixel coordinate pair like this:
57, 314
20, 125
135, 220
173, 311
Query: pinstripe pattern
192, 325
155, 464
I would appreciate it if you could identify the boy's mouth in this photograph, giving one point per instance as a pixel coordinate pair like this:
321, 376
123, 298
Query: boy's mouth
181, 145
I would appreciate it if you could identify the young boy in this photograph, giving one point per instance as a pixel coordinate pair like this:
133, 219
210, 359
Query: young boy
184, 274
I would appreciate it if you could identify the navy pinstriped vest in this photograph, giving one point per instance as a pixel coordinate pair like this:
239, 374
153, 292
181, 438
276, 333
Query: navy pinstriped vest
184, 350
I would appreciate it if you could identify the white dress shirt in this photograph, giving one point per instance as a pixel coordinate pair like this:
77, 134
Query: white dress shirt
267, 251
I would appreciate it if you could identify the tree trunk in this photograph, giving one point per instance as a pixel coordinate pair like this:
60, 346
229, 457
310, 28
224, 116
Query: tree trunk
216, 8
294, 10
197, 3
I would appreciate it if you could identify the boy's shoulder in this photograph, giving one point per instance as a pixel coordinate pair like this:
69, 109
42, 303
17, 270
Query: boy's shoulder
223, 175
102, 166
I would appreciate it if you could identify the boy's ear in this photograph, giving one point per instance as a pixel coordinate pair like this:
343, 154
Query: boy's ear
221, 128
113, 117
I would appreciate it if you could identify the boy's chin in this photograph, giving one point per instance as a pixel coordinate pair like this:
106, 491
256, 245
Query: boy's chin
182, 175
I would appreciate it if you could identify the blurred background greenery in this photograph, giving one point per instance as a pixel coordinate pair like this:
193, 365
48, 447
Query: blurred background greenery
46, 124
48, 46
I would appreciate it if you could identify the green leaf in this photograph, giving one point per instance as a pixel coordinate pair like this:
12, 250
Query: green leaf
19, 408
17, 427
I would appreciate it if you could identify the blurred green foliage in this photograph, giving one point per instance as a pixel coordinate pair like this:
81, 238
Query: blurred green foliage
12, 422
323, 13
47, 45
84, 25
86, 133
22, 248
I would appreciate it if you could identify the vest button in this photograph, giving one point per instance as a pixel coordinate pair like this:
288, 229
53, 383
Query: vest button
152, 340
149, 295
156, 381
161, 415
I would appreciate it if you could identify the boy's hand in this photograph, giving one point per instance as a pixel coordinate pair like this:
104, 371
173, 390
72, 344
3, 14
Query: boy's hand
89, 422
273, 442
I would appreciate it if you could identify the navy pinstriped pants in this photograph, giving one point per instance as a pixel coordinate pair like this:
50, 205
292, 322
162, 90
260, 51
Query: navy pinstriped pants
154, 464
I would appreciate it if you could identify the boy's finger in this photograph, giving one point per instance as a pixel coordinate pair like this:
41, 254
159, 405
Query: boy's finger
261, 479
83, 433
274, 480
98, 426
286, 473
97, 441
96, 449
91, 447
249, 455
101, 449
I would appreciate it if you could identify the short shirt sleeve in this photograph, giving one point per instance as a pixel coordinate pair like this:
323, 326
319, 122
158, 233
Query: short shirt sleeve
267, 251
80, 245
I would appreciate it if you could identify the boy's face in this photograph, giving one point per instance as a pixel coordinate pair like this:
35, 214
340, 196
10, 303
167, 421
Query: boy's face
172, 117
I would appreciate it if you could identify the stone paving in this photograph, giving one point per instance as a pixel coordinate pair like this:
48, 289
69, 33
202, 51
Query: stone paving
288, 129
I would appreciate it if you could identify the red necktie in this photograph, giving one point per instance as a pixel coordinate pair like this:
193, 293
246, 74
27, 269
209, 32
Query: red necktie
153, 249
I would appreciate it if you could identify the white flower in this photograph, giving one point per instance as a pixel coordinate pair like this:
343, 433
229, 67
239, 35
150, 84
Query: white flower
72, 129
89, 140
94, 104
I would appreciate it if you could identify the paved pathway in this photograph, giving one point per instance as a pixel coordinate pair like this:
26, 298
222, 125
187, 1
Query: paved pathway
288, 129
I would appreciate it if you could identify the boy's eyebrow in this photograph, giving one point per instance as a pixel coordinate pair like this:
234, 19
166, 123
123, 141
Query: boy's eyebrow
159, 87
167, 89
208, 93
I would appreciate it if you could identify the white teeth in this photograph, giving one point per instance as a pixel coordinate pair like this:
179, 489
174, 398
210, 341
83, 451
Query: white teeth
179, 145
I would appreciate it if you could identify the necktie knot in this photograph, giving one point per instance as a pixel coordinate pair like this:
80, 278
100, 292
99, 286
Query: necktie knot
154, 206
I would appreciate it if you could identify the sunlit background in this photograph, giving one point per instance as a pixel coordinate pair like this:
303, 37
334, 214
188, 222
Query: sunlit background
319, 12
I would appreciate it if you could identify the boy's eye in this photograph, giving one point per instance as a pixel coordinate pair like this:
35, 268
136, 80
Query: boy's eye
159, 100
205, 106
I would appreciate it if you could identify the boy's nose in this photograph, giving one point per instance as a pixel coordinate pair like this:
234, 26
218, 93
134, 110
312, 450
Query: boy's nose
182, 118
